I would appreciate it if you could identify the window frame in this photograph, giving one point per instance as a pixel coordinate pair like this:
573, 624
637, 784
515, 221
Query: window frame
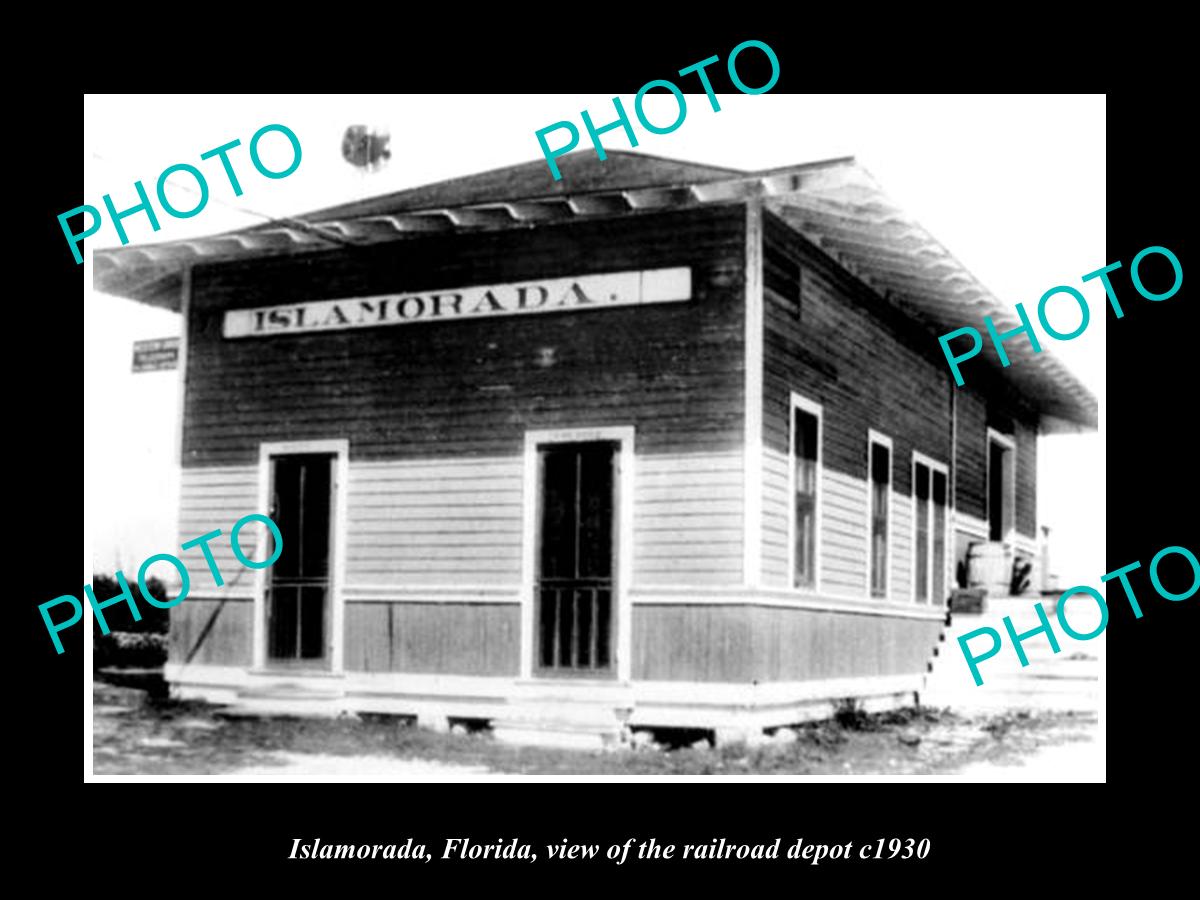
804, 404
934, 466
1009, 443
879, 438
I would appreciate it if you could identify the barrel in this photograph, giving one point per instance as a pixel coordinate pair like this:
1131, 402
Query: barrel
988, 568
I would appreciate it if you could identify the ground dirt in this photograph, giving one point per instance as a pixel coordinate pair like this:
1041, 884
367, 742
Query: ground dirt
140, 732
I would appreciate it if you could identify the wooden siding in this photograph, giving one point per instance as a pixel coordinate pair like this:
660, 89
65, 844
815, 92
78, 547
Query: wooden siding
215, 632
457, 522
446, 524
688, 518
842, 560
215, 498
975, 415
843, 531
844, 352
742, 643
777, 512
442, 521
441, 638
970, 470
900, 586
472, 388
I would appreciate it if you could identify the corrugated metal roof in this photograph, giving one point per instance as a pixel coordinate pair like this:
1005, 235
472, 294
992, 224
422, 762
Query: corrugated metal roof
834, 203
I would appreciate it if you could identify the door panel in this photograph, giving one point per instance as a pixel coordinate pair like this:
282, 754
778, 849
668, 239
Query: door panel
298, 585
575, 559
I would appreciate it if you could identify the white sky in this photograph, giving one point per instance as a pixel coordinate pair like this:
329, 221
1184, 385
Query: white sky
1012, 186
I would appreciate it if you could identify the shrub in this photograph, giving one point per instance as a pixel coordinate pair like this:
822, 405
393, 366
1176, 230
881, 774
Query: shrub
849, 714
126, 650
130, 644
153, 621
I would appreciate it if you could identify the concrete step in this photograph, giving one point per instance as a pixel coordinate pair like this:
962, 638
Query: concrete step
266, 707
1066, 680
288, 692
284, 698
552, 718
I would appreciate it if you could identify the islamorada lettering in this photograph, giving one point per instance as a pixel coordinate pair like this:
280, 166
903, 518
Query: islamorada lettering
318, 850
571, 294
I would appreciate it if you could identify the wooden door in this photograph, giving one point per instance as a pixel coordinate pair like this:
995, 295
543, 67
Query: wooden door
298, 584
576, 559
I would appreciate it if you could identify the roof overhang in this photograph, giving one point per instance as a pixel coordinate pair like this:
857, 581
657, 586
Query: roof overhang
836, 204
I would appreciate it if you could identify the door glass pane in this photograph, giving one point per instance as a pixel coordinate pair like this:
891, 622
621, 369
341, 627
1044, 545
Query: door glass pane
595, 514
805, 501
298, 582
558, 514
921, 549
576, 557
939, 538
881, 477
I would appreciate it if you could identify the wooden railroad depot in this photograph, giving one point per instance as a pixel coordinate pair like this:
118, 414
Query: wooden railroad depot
656, 445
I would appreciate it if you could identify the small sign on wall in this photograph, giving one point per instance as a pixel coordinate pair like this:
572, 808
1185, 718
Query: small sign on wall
156, 355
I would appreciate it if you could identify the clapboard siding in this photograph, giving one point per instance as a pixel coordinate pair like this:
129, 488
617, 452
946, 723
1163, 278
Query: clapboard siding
798, 645
843, 533
843, 546
845, 352
970, 471
746, 643
438, 521
210, 499
471, 388
848, 350
436, 638
449, 521
214, 632
688, 511
776, 519
901, 569
975, 415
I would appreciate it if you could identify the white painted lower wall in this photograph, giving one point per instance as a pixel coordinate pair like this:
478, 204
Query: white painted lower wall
844, 529
455, 525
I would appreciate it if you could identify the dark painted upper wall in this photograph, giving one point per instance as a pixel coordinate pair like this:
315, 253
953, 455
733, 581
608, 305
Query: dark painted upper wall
871, 367
675, 370
842, 352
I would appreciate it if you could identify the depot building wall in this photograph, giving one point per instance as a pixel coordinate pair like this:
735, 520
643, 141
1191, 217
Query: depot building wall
834, 341
435, 416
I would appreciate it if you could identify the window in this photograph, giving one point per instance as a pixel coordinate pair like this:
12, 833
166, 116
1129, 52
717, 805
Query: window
938, 551
921, 505
806, 479
929, 539
879, 510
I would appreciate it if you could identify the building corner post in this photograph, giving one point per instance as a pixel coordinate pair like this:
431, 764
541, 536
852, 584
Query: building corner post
752, 445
